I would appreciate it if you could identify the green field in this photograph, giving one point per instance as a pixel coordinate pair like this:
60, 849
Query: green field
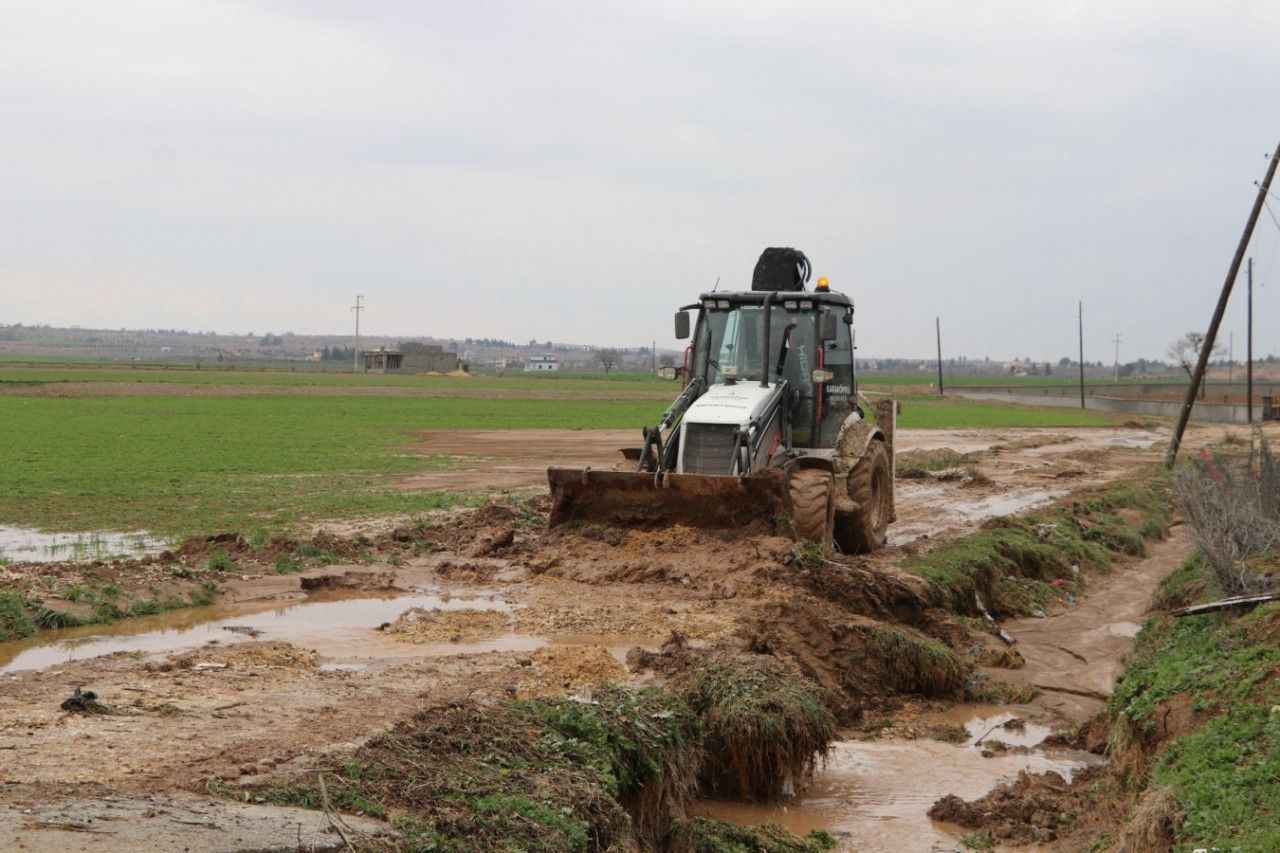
196, 462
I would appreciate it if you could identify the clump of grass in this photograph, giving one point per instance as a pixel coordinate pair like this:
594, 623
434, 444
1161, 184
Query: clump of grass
321, 555
650, 740
914, 663
15, 622
703, 835
220, 561
286, 565
1188, 584
765, 724
203, 596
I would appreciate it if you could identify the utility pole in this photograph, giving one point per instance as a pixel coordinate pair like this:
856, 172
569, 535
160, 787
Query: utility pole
357, 308
937, 322
1248, 371
1080, 315
1221, 308
1117, 343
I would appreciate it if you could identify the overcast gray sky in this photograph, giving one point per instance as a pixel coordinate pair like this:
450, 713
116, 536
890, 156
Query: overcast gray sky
576, 171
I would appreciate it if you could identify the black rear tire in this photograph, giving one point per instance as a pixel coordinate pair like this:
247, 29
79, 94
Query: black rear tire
871, 489
812, 506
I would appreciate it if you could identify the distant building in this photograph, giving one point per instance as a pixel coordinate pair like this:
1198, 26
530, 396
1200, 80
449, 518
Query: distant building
382, 360
541, 363
428, 358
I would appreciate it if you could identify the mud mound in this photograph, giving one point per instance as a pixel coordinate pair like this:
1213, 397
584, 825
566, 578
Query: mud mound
536, 775
557, 670
1033, 442
244, 656
675, 656
696, 558
1033, 808
895, 597
420, 625
860, 661
350, 580
765, 725
926, 464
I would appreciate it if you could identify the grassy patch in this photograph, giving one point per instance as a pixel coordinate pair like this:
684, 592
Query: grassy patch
1216, 660
1199, 701
1020, 564
957, 413
1226, 779
182, 465
765, 725
15, 621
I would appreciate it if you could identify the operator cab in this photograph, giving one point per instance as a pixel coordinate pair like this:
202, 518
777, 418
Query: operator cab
810, 341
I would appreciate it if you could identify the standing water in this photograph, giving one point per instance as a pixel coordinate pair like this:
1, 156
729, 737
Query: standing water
28, 545
876, 795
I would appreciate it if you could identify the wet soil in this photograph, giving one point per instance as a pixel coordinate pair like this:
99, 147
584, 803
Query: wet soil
193, 701
1074, 656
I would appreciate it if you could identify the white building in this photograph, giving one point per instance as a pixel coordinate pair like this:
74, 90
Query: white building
541, 363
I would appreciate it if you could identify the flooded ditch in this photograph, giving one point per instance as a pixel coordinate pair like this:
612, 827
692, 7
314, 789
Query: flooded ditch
875, 795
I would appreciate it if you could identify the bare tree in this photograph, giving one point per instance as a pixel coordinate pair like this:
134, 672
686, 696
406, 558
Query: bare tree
1185, 351
608, 359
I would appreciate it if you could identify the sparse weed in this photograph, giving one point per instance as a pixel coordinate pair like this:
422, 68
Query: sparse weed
220, 561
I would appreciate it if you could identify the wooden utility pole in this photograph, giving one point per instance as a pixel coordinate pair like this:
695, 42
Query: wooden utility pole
1080, 315
1248, 370
1221, 308
937, 322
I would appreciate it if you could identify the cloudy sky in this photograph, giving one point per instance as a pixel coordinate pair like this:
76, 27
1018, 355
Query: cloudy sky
576, 171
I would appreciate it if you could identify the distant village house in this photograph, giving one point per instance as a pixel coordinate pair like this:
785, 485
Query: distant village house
541, 363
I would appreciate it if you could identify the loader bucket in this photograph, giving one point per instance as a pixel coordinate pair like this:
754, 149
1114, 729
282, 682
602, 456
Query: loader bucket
643, 500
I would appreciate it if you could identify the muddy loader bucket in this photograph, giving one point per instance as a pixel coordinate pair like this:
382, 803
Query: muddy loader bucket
642, 500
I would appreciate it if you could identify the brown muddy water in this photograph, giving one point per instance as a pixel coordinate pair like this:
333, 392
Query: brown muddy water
341, 626
28, 545
876, 795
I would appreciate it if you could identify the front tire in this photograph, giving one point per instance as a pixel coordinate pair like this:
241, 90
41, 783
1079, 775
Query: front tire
812, 506
871, 489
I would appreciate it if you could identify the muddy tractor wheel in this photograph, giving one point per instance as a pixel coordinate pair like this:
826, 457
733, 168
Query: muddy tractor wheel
870, 488
812, 506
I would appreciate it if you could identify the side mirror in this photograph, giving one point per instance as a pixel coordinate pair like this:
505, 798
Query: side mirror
667, 372
827, 326
682, 325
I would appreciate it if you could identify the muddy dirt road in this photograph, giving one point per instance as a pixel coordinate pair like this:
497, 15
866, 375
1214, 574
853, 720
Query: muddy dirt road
205, 703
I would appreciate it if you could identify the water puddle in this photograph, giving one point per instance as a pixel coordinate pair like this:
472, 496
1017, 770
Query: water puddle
28, 545
1004, 504
876, 795
341, 626
1135, 441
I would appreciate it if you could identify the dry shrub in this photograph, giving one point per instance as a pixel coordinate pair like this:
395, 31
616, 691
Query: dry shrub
1153, 825
1233, 507
764, 724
